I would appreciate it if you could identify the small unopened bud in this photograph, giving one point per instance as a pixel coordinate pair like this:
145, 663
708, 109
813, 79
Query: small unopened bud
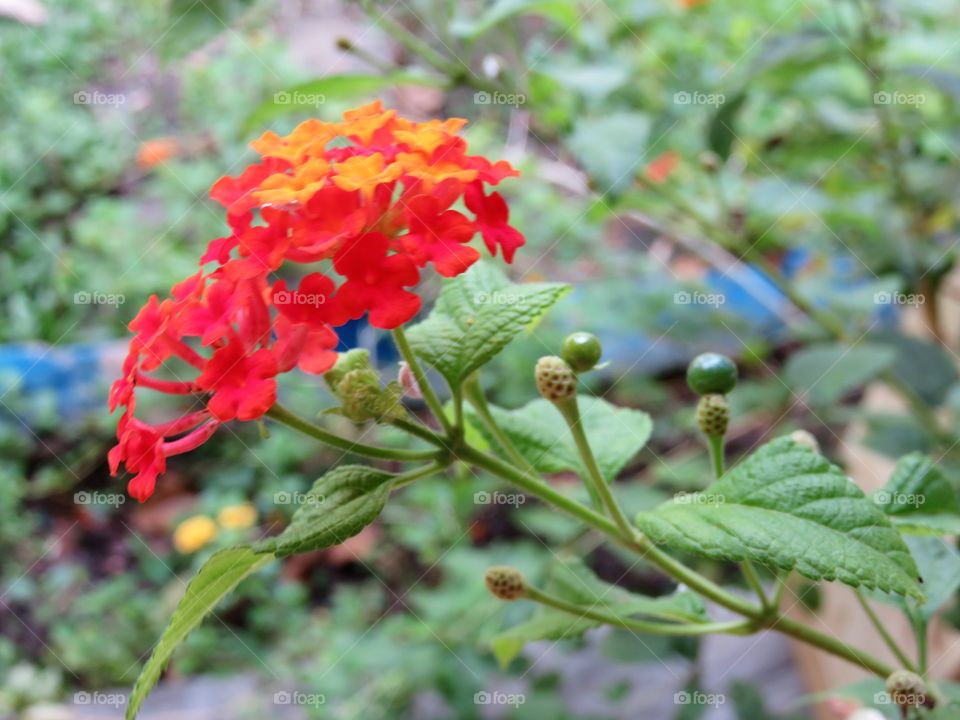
344, 44
505, 582
556, 381
408, 381
713, 415
357, 385
907, 689
802, 437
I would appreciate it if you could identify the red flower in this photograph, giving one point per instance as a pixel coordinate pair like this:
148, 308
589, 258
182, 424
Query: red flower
438, 235
492, 216
244, 386
375, 282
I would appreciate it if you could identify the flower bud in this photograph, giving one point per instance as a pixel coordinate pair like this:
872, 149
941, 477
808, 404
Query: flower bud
505, 582
907, 689
555, 379
357, 386
581, 351
711, 373
802, 437
713, 415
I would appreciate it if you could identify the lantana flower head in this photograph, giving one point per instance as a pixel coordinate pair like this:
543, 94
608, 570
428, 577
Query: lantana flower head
365, 206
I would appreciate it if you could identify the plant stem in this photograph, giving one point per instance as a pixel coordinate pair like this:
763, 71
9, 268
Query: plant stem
421, 432
400, 338
404, 479
736, 627
887, 638
571, 413
753, 580
715, 445
282, 415
474, 395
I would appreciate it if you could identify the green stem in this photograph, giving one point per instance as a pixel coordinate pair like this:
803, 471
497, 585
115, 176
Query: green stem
753, 580
571, 413
426, 391
474, 394
735, 627
421, 432
887, 638
715, 444
920, 631
285, 416
404, 479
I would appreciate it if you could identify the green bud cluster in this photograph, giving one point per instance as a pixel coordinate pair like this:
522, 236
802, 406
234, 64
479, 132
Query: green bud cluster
505, 582
713, 415
555, 379
356, 385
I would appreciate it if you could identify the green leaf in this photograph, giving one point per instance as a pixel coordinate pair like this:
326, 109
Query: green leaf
722, 130
219, 575
502, 10
338, 506
611, 148
919, 499
925, 367
822, 374
311, 94
476, 316
190, 24
540, 433
573, 581
787, 507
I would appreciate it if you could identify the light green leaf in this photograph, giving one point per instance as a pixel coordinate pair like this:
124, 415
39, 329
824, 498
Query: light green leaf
612, 148
476, 316
219, 575
573, 581
822, 374
469, 29
787, 507
338, 506
541, 434
310, 95
919, 499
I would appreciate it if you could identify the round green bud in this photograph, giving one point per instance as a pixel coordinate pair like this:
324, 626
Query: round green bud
505, 582
711, 373
906, 689
713, 415
555, 379
582, 351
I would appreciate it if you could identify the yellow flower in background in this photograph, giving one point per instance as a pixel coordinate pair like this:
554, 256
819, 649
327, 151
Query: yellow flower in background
237, 517
193, 533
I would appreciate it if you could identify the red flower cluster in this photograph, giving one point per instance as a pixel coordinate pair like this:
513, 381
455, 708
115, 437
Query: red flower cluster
370, 198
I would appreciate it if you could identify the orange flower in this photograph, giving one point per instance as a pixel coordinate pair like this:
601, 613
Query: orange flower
427, 137
153, 152
365, 172
284, 189
660, 167
308, 140
431, 172
364, 122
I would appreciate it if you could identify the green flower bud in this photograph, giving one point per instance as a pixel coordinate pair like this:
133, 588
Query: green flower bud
505, 582
907, 689
711, 373
357, 386
581, 351
713, 415
555, 380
